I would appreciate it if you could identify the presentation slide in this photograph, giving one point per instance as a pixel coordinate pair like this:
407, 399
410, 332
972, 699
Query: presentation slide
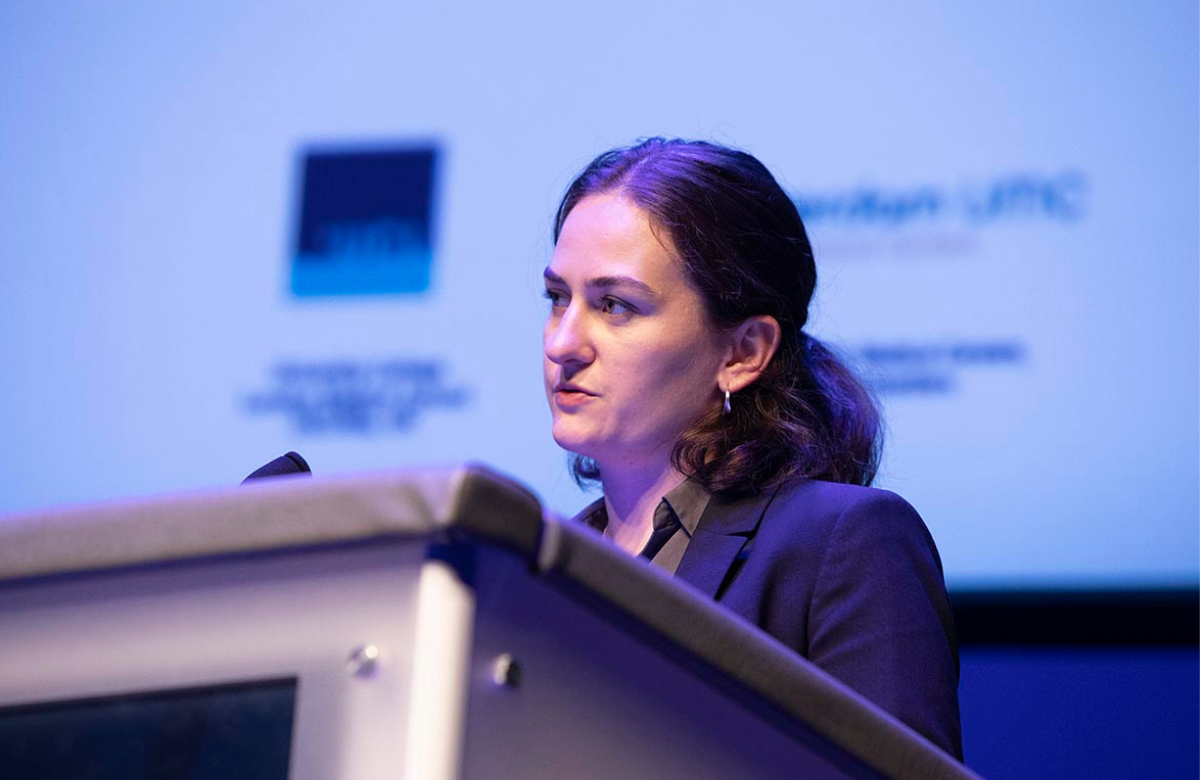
229, 230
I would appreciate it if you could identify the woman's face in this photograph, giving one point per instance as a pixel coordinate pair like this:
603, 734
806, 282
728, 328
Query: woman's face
629, 361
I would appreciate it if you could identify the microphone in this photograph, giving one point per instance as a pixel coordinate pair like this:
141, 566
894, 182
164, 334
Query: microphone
289, 463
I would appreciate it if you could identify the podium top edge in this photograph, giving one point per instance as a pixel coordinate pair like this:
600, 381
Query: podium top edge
278, 513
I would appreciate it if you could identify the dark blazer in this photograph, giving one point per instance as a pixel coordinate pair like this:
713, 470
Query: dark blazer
849, 578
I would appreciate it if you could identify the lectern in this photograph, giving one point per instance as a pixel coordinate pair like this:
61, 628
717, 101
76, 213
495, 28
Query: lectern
423, 625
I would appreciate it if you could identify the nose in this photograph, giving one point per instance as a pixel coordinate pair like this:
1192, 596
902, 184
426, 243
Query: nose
565, 340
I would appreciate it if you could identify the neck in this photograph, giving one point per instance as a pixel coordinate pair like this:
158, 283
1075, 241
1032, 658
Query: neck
630, 498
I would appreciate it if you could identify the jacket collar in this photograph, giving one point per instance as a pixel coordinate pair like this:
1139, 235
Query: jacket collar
723, 531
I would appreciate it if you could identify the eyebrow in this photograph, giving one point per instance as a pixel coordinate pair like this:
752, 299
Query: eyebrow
605, 282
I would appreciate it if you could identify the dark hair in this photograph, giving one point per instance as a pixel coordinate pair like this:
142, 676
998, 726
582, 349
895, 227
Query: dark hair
745, 250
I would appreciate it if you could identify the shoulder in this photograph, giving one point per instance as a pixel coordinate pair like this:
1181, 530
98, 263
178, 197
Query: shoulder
834, 526
830, 506
816, 496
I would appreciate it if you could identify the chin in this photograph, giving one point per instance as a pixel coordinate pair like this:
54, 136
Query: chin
568, 442
573, 441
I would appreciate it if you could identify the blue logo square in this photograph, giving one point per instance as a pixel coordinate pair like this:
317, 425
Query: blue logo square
365, 225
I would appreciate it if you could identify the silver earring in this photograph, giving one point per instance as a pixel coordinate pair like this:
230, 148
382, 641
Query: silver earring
728, 409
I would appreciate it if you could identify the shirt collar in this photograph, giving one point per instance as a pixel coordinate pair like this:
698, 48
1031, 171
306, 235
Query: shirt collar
686, 501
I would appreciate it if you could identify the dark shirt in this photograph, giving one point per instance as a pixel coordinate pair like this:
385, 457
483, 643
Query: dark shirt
675, 520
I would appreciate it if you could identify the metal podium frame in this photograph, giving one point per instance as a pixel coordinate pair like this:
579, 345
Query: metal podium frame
437, 625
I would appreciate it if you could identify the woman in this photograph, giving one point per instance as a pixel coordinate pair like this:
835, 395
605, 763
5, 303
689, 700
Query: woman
734, 450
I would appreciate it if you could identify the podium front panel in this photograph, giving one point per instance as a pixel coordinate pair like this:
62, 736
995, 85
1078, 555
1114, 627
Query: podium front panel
175, 656
593, 697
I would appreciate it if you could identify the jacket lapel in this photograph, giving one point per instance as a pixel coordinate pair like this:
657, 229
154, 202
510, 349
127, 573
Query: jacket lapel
722, 532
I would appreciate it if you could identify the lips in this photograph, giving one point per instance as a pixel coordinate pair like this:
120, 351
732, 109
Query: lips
567, 395
567, 387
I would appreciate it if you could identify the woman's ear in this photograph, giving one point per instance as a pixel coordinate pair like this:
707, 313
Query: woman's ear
753, 344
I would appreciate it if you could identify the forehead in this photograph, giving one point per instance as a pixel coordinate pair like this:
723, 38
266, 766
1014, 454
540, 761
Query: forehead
610, 235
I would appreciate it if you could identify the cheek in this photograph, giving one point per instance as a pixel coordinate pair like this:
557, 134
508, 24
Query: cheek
693, 362
671, 385
689, 378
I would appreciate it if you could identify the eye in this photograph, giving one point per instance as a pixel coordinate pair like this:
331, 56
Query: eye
614, 306
557, 298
